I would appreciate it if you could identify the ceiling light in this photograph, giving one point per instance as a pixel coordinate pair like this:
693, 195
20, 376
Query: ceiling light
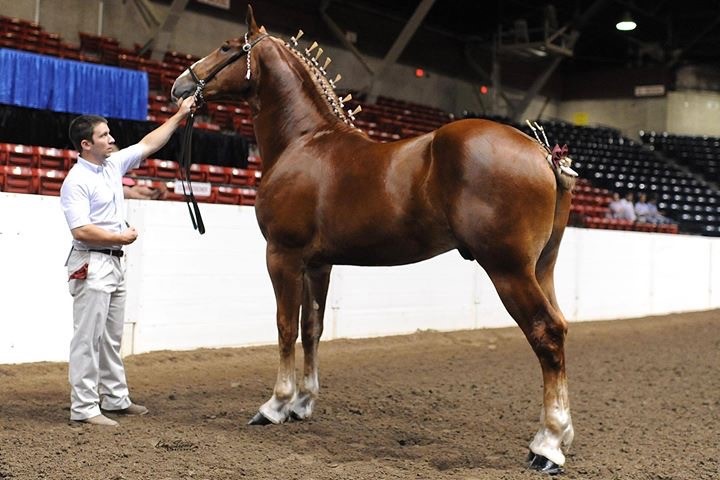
626, 23
538, 52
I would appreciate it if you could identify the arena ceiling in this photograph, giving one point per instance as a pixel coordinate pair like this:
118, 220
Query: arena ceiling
669, 33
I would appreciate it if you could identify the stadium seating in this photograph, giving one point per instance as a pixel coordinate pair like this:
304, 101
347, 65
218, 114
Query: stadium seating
616, 163
610, 161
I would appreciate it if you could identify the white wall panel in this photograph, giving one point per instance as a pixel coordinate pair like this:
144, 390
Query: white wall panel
36, 308
680, 260
435, 294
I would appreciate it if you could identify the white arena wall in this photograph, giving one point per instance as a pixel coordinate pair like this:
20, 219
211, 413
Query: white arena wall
189, 291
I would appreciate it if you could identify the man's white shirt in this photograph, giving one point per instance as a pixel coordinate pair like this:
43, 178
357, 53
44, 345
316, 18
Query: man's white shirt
93, 194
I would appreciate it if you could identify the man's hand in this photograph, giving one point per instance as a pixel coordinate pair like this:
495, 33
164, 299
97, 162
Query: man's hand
128, 236
155, 140
186, 105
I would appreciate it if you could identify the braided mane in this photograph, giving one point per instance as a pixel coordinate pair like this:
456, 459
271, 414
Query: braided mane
324, 86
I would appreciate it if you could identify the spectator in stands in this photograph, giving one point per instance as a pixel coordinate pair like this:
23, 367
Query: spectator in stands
91, 199
628, 209
141, 192
654, 215
622, 208
615, 206
642, 208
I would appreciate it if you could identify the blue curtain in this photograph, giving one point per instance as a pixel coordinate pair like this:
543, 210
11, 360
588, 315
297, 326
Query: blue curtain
37, 81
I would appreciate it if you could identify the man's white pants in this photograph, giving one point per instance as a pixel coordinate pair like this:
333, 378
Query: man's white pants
96, 370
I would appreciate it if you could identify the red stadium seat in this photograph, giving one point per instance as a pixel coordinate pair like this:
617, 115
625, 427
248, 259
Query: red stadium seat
144, 170
254, 162
248, 196
20, 155
198, 173
227, 195
19, 180
216, 174
53, 158
668, 228
49, 181
221, 115
244, 127
163, 168
212, 127
244, 177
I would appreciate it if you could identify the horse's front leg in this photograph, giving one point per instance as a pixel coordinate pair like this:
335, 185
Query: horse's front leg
316, 282
286, 274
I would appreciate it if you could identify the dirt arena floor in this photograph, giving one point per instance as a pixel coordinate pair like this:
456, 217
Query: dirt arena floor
645, 396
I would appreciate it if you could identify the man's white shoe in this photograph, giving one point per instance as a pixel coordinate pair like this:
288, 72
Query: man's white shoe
100, 420
133, 409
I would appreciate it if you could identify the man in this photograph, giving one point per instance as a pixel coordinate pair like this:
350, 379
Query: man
642, 208
92, 200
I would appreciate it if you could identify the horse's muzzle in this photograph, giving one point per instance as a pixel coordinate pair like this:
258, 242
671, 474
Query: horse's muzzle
183, 87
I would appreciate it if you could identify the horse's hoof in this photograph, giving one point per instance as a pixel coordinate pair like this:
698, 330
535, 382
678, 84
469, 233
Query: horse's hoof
259, 419
544, 465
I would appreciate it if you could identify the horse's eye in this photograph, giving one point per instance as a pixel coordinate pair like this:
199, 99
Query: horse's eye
225, 48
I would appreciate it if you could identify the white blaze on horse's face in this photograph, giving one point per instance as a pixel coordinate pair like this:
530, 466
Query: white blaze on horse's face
184, 84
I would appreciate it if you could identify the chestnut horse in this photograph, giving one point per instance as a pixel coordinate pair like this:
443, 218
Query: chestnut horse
331, 195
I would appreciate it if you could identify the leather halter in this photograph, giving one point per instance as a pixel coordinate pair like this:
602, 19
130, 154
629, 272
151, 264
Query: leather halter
186, 151
200, 84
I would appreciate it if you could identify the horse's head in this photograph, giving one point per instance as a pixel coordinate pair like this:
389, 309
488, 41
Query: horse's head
225, 73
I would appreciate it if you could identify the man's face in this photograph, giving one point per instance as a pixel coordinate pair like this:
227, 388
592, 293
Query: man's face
102, 144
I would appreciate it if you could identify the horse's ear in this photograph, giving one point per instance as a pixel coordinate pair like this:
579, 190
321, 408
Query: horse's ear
262, 29
250, 20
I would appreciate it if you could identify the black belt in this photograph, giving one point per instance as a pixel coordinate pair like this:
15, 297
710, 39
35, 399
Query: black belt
107, 251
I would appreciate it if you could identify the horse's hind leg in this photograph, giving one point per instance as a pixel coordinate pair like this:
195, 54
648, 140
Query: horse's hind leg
285, 270
316, 282
545, 328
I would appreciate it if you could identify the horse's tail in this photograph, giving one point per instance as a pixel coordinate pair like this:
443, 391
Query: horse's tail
561, 165
565, 182
545, 266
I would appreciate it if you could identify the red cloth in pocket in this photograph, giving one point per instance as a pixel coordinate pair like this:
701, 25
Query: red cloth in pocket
80, 274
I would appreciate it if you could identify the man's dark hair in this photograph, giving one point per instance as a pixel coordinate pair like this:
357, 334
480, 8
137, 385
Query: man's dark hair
81, 128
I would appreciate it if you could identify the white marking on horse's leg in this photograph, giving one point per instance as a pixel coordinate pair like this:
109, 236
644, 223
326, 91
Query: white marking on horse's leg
304, 404
277, 409
556, 427
316, 286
